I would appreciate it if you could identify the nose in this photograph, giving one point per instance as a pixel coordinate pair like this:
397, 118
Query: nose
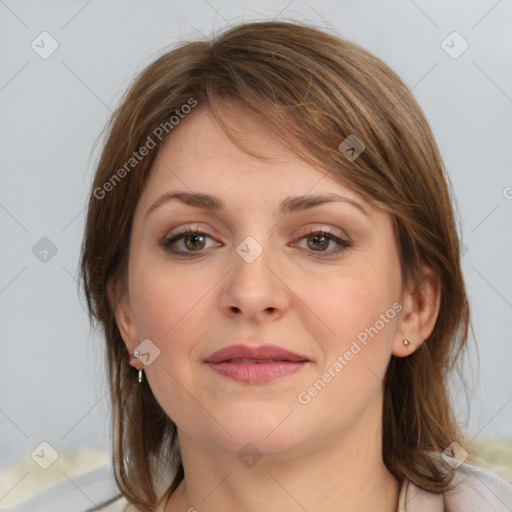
255, 288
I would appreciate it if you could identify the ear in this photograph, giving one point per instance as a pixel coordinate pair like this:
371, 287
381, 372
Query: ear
120, 304
420, 309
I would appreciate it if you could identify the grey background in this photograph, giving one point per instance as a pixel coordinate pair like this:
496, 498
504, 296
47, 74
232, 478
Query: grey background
52, 386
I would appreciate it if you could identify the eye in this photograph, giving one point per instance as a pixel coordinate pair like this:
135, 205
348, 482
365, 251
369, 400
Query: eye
192, 240
318, 241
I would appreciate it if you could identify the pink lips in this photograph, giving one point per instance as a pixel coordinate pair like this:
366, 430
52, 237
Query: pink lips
255, 365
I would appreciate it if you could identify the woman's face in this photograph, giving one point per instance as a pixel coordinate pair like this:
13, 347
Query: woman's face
258, 273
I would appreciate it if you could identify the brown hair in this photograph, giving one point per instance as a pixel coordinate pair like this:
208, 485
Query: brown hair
313, 90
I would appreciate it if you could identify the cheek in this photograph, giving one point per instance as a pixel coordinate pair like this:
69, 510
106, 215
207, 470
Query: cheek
358, 314
165, 302
172, 311
352, 301
356, 347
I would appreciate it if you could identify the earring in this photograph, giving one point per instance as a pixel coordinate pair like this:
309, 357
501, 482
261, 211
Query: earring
136, 356
406, 343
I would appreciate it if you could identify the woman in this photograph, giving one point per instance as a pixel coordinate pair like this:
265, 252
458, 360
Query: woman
271, 252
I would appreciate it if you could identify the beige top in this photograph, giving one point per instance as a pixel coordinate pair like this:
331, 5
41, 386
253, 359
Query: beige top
477, 490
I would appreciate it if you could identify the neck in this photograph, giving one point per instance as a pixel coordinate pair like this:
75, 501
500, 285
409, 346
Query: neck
345, 474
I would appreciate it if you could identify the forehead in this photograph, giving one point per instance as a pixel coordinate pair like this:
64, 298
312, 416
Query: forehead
200, 156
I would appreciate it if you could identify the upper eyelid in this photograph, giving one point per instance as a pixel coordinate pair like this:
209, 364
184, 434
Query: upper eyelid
306, 231
170, 239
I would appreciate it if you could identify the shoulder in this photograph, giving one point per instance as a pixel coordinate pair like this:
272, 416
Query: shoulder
479, 486
76, 494
475, 490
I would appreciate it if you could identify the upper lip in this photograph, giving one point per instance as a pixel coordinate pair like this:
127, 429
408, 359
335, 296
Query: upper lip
262, 352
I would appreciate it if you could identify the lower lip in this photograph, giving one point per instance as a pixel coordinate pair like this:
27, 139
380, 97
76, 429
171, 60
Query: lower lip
257, 373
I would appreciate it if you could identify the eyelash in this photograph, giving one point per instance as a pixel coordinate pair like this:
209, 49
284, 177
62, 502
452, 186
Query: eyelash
169, 241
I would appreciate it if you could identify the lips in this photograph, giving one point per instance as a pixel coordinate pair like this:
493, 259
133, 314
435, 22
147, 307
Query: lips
255, 365
249, 355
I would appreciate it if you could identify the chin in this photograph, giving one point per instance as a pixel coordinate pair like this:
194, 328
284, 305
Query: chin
272, 428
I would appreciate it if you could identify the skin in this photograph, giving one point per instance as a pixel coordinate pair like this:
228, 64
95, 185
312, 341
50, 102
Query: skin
323, 455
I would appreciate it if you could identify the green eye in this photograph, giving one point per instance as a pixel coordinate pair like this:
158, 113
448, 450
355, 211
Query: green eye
318, 242
194, 242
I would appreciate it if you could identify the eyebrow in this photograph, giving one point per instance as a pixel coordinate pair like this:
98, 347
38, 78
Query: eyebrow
288, 205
